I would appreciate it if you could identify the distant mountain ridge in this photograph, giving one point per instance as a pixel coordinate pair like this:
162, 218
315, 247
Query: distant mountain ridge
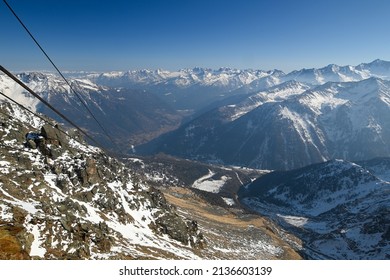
236, 78
227, 81
334, 73
290, 125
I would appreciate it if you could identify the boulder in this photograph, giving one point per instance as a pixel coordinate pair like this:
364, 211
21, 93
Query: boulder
54, 135
31, 144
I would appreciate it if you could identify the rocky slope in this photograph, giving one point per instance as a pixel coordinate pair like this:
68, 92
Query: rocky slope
62, 199
339, 209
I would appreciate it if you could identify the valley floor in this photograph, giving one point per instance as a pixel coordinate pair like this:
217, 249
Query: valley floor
232, 233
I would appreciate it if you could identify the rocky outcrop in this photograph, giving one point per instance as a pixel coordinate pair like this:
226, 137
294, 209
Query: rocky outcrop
54, 135
173, 225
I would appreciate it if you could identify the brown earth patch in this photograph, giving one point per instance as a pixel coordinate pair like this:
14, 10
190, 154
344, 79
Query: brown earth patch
10, 246
231, 231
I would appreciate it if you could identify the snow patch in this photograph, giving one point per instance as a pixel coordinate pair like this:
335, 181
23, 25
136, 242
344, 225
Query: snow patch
229, 201
294, 220
36, 249
206, 183
4, 167
29, 207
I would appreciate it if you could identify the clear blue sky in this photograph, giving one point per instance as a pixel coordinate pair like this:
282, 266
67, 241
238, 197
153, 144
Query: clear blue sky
174, 34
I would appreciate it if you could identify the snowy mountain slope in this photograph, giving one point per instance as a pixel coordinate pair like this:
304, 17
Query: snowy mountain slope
273, 94
339, 209
61, 199
196, 137
380, 167
377, 68
46, 84
334, 73
290, 126
254, 118
330, 73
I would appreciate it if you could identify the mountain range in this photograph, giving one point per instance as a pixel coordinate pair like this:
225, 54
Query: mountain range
261, 119
324, 132
289, 126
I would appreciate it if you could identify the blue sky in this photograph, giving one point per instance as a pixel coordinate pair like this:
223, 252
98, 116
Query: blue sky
172, 34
